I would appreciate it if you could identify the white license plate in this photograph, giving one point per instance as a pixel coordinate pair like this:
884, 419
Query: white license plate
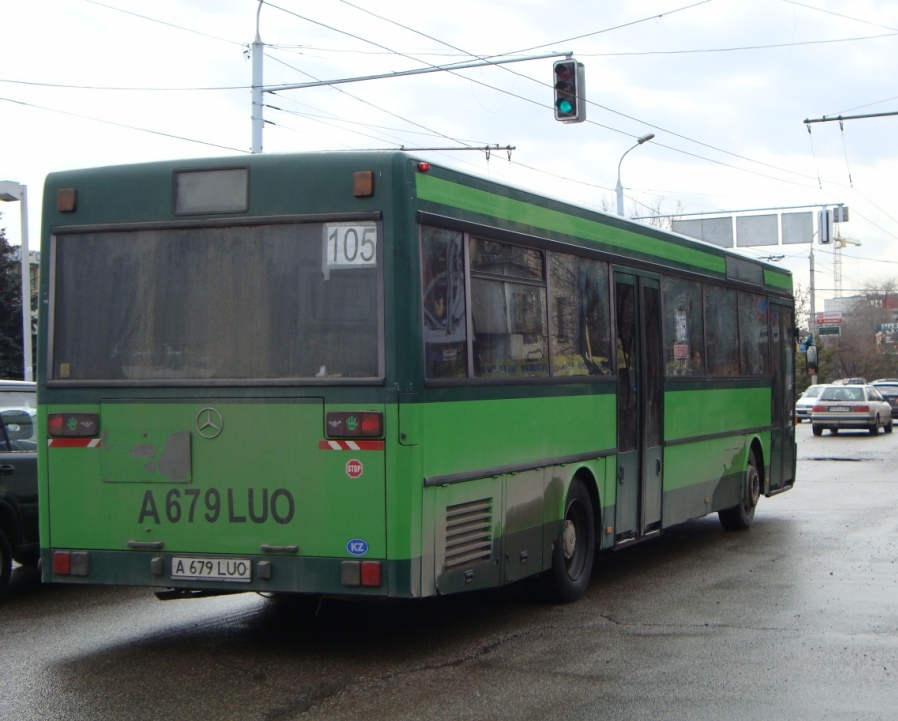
839, 409
212, 569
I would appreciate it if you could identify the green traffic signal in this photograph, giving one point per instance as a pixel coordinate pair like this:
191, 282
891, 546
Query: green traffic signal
569, 85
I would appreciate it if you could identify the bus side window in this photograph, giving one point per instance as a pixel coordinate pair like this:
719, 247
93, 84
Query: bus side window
443, 303
723, 331
581, 310
683, 328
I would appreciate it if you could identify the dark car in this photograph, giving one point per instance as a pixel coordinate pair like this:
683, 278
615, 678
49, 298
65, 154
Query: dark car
888, 387
18, 477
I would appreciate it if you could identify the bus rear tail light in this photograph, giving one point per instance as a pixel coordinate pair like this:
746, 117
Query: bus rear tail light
371, 573
71, 563
73, 425
354, 424
361, 573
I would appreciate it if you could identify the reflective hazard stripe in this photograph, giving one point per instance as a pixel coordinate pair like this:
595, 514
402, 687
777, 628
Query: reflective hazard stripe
350, 445
73, 442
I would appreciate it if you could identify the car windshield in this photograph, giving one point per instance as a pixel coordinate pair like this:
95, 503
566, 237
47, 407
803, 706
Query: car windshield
842, 393
890, 391
812, 392
17, 399
17, 414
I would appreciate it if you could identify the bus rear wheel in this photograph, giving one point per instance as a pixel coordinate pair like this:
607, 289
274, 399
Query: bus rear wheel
575, 547
739, 517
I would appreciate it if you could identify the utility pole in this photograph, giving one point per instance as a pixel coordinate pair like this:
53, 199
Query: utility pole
258, 118
812, 316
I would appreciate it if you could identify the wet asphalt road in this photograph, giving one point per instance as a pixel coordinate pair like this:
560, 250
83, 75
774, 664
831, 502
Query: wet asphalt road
795, 619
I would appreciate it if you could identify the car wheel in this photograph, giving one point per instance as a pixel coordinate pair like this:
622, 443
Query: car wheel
739, 517
874, 429
888, 426
575, 547
5, 562
818, 430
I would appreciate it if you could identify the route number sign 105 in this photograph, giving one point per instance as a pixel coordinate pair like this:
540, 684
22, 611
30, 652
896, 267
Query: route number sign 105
349, 245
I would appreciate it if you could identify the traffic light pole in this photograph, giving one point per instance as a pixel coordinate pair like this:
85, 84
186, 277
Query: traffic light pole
259, 88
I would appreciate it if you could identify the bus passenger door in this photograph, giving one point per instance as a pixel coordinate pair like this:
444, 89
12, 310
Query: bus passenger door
639, 411
782, 435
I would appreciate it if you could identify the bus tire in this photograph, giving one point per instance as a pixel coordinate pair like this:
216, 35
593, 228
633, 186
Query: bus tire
740, 516
818, 430
574, 549
5, 562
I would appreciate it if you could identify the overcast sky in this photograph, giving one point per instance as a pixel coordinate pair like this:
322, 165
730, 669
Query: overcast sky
725, 85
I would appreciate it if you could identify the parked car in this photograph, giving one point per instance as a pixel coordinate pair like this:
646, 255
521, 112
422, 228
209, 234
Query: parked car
851, 406
807, 400
18, 477
888, 387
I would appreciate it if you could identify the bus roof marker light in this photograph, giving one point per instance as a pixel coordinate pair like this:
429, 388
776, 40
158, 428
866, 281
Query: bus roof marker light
66, 200
363, 183
423, 167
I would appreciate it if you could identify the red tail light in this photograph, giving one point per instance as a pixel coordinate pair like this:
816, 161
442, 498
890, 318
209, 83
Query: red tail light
818, 409
73, 425
62, 563
862, 409
354, 424
370, 573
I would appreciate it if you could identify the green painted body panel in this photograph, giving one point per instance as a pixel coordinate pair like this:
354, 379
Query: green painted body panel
263, 480
778, 279
518, 431
705, 412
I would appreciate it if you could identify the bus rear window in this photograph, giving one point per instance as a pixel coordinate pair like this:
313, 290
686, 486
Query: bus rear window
234, 303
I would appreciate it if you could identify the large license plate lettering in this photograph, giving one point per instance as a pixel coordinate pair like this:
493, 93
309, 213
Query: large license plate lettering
212, 569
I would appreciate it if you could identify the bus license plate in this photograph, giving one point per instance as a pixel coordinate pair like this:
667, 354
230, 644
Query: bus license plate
212, 569
839, 409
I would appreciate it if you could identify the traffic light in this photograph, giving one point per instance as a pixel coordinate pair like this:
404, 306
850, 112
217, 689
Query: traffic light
570, 91
825, 226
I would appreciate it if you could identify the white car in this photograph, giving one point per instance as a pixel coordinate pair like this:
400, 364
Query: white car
851, 406
804, 404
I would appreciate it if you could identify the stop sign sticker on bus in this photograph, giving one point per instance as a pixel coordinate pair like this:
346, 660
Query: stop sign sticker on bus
354, 468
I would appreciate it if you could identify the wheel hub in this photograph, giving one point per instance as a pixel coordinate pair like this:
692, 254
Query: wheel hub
569, 539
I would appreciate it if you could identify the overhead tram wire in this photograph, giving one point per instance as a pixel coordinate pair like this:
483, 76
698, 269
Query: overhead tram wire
611, 29
607, 109
434, 133
738, 48
123, 125
656, 127
167, 24
241, 44
838, 15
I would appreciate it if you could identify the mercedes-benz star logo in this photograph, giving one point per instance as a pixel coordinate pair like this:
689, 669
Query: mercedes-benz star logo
209, 423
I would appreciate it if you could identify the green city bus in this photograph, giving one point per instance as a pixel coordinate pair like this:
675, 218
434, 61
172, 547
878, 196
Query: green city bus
361, 374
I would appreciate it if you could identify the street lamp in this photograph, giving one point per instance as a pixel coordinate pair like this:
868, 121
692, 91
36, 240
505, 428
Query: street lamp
620, 188
11, 191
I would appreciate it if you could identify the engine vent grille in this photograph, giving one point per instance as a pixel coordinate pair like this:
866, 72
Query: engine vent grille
469, 533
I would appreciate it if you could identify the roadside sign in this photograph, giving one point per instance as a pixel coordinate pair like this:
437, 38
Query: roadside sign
829, 330
829, 317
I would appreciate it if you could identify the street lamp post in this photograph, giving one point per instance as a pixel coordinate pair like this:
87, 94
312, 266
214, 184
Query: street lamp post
620, 188
11, 191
